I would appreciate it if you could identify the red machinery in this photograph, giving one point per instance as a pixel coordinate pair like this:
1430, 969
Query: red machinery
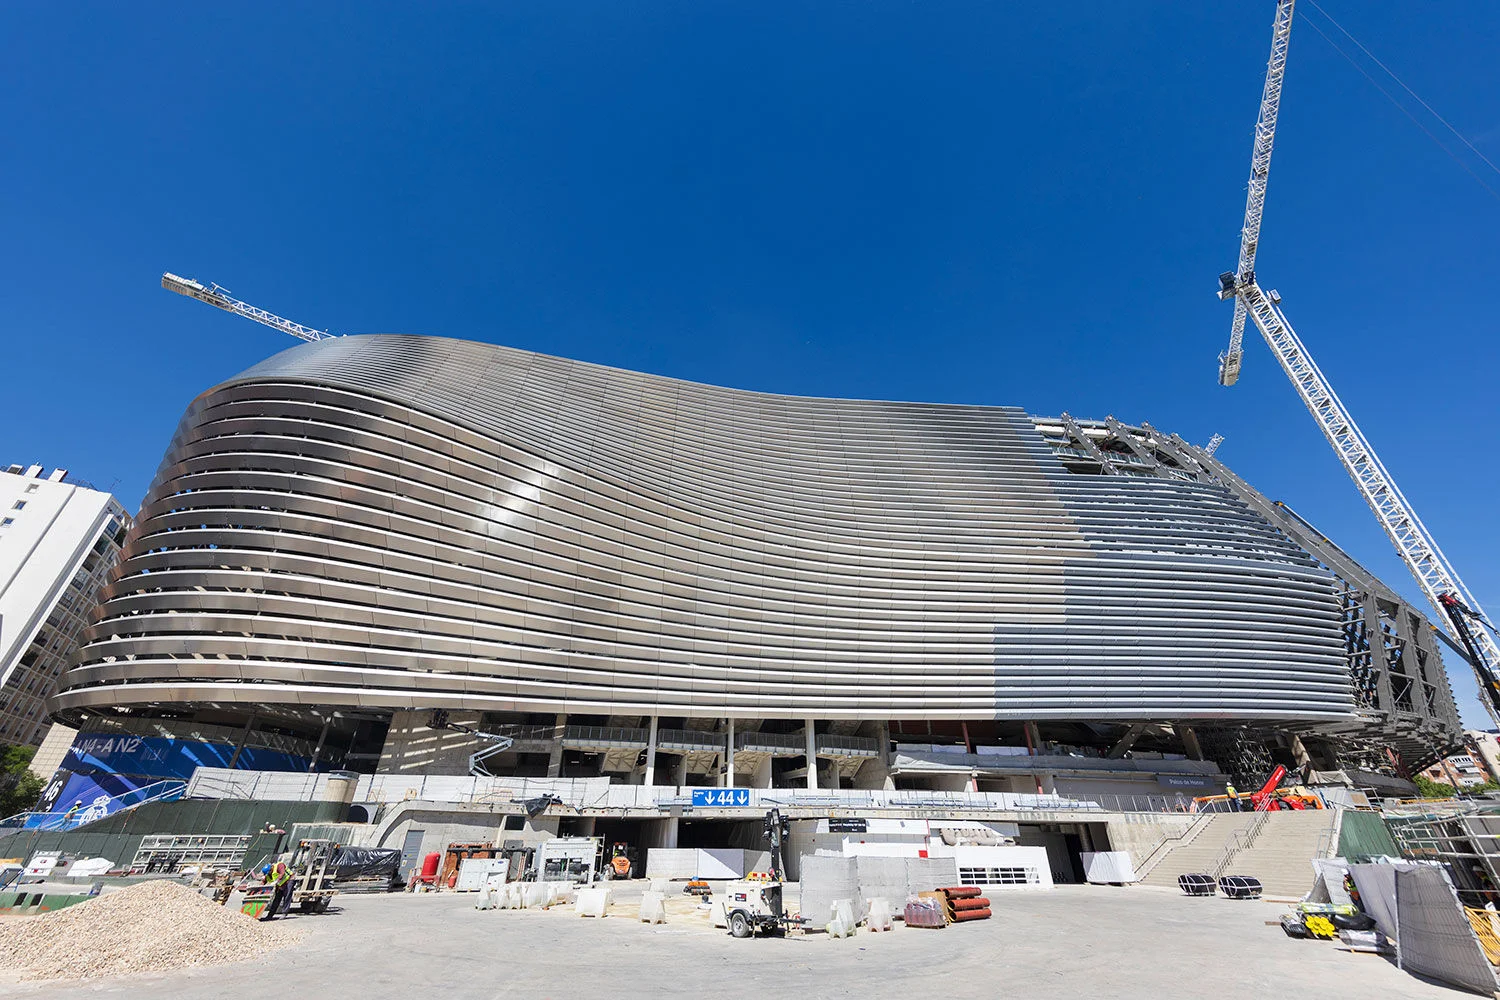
1258, 799
1272, 797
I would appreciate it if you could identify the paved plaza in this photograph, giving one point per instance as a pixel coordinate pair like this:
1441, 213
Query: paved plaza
1076, 941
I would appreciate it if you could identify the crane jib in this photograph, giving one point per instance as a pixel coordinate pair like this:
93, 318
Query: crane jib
1414, 543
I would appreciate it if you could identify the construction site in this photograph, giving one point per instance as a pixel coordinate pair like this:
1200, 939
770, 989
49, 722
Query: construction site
423, 649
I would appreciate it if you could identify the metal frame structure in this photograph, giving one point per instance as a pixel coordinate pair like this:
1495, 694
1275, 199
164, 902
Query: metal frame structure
1395, 671
1260, 170
1414, 543
220, 298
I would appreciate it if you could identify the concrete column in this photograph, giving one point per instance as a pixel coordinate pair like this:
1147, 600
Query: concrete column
762, 776
668, 835
729, 756
554, 759
1299, 752
812, 755
973, 785
651, 753
887, 780
1190, 742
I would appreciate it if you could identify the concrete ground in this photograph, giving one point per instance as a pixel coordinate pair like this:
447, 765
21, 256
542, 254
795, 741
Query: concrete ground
1076, 941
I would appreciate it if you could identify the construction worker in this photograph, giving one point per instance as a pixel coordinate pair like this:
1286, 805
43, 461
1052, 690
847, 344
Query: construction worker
72, 813
1234, 796
279, 874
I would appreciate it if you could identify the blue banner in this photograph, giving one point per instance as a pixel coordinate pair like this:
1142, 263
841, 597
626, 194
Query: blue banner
156, 757
90, 796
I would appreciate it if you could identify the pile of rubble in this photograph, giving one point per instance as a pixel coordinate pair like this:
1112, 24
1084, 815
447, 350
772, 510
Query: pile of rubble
150, 927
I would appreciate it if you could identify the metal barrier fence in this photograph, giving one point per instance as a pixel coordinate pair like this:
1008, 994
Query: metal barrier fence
600, 793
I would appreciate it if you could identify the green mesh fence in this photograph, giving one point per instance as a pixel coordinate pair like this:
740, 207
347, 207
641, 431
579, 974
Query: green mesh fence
1363, 835
117, 837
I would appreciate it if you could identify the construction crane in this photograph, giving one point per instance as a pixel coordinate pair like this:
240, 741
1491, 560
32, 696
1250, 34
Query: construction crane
1415, 544
220, 298
1260, 171
1213, 444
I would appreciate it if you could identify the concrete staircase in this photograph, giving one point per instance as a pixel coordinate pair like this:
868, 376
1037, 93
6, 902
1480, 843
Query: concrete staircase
1283, 849
1199, 853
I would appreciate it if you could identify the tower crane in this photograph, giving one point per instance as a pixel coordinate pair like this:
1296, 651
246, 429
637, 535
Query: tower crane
220, 298
1414, 543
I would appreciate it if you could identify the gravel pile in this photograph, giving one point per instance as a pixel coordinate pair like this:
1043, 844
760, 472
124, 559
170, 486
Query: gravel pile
149, 927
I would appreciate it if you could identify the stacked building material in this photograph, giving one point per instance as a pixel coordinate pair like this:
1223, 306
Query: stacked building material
965, 903
924, 912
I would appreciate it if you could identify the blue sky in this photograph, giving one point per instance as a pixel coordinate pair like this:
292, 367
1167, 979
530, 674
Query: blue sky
978, 203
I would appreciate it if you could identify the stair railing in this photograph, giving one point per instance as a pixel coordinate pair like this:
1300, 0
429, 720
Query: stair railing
1173, 841
1242, 839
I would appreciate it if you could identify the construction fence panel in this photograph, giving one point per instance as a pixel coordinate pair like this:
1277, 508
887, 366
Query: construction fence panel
1377, 894
1434, 937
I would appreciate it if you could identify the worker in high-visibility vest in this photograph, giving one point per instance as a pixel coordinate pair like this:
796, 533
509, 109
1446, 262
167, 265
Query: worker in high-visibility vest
279, 874
1234, 797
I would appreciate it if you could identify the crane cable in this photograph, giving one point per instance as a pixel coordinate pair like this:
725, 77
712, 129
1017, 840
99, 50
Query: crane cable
1400, 106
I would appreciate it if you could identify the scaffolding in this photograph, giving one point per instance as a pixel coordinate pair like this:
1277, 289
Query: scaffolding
1461, 834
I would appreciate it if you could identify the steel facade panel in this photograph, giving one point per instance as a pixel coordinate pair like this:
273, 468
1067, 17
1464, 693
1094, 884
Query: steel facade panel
377, 521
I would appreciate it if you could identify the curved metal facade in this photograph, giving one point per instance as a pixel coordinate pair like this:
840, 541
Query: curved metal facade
399, 521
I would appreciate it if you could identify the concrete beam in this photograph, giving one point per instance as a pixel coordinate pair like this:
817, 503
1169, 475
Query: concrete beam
1127, 741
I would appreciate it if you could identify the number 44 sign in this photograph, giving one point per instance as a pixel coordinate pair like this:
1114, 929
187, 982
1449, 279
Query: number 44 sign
721, 796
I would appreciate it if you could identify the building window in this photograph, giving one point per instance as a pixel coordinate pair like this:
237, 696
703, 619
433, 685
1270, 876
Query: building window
32, 488
19, 504
7, 522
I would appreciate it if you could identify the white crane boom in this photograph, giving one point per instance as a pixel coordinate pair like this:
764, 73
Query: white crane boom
220, 298
1260, 171
1414, 543
1213, 444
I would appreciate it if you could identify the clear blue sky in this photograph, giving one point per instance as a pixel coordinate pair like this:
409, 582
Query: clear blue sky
972, 202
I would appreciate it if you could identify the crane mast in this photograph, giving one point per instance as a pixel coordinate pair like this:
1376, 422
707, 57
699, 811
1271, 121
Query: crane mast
1414, 543
1260, 171
221, 299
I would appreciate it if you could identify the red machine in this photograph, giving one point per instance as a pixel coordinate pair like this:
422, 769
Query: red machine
1271, 797
1258, 799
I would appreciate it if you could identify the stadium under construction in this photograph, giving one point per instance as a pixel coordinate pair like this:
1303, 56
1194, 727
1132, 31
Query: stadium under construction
624, 576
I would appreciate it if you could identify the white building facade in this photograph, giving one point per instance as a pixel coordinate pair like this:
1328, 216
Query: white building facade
58, 542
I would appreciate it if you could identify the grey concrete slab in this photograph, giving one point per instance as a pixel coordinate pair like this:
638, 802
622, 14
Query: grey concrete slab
1076, 941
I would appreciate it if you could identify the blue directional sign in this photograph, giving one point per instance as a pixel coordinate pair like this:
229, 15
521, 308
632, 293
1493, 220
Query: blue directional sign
721, 796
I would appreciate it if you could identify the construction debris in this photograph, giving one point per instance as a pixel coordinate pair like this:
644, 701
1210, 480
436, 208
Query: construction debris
149, 927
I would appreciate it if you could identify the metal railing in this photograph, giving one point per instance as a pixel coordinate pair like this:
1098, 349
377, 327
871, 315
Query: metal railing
1171, 842
791, 744
521, 732
858, 746
1241, 840
608, 736
689, 739
601, 793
